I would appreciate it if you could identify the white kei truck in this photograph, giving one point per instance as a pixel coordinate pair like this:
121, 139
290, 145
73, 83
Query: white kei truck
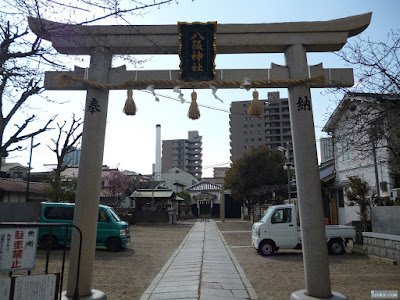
279, 229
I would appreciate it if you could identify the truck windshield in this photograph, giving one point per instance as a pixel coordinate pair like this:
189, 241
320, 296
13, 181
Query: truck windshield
267, 215
115, 216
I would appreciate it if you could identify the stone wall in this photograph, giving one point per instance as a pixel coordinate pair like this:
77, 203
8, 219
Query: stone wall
386, 219
383, 245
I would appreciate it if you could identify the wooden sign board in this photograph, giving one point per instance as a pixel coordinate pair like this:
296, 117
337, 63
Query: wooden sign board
32, 287
197, 51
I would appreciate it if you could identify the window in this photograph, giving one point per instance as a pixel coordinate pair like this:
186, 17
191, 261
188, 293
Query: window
252, 140
251, 125
103, 217
244, 105
246, 147
245, 132
341, 199
346, 153
59, 213
17, 175
245, 125
282, 216
245, 139
244, 118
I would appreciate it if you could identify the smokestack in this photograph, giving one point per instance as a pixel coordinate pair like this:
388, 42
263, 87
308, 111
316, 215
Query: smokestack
157, 169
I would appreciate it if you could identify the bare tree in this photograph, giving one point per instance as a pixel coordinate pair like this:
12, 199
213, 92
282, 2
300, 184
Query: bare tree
66, 142
18, 82
376, 64
24, 57
372, 119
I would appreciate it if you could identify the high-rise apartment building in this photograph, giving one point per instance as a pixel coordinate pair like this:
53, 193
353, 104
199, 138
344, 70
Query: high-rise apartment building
271, 128
184, 154
72, 158
326, 149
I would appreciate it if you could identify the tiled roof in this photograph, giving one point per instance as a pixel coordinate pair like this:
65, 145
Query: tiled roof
215, 180
161, 193
204, 186
106, 193
18, 186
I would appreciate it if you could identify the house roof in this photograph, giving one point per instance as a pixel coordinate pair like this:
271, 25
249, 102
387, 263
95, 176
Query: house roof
327, 171
214, 180
204, 186
145, 193
6, 167
351, 97
18, 186
106, 193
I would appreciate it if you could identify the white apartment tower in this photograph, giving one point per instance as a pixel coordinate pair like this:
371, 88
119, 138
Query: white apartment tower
271, 128
184, 154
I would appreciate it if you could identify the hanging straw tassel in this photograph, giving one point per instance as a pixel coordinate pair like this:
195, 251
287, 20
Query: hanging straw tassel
194, 112
130, 106
256, 107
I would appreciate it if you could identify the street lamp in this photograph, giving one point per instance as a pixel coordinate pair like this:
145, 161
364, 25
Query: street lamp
286, 167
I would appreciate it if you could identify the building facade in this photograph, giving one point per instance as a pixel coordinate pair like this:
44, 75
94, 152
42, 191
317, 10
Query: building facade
185, 154
271, 128
219, 172
72, 158
326, 149
361, 128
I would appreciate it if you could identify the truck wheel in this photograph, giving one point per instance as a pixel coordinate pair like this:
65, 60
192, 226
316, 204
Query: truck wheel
48, 243
267, 248
114, 244
336, 247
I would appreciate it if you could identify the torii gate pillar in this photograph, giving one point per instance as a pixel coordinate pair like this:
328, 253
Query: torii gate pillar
89, 177
315, 258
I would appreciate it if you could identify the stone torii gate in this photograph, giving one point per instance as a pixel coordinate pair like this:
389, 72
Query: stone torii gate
292, 39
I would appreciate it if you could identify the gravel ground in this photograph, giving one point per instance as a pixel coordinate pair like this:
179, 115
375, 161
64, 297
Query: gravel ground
353, 275
127, 274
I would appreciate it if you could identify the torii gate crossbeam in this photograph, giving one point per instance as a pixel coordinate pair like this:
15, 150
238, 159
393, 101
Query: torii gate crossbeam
292, 39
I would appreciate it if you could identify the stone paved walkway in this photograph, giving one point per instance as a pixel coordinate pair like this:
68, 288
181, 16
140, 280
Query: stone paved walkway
203, 267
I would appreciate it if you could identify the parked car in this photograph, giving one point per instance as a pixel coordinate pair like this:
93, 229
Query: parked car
279, 229
111, 231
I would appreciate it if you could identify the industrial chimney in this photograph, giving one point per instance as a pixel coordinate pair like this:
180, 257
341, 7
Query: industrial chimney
157, 169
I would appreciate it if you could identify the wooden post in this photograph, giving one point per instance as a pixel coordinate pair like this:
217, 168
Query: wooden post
222, 204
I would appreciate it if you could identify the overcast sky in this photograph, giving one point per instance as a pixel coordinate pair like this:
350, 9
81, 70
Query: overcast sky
130, 141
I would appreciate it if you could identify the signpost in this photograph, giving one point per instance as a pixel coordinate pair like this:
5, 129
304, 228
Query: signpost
17, 249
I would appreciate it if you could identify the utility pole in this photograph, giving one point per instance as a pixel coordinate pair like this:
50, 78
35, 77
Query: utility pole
286, 167
373, 139
29, 169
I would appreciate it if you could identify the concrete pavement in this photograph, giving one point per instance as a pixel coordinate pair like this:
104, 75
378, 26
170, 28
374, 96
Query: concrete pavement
203, 267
